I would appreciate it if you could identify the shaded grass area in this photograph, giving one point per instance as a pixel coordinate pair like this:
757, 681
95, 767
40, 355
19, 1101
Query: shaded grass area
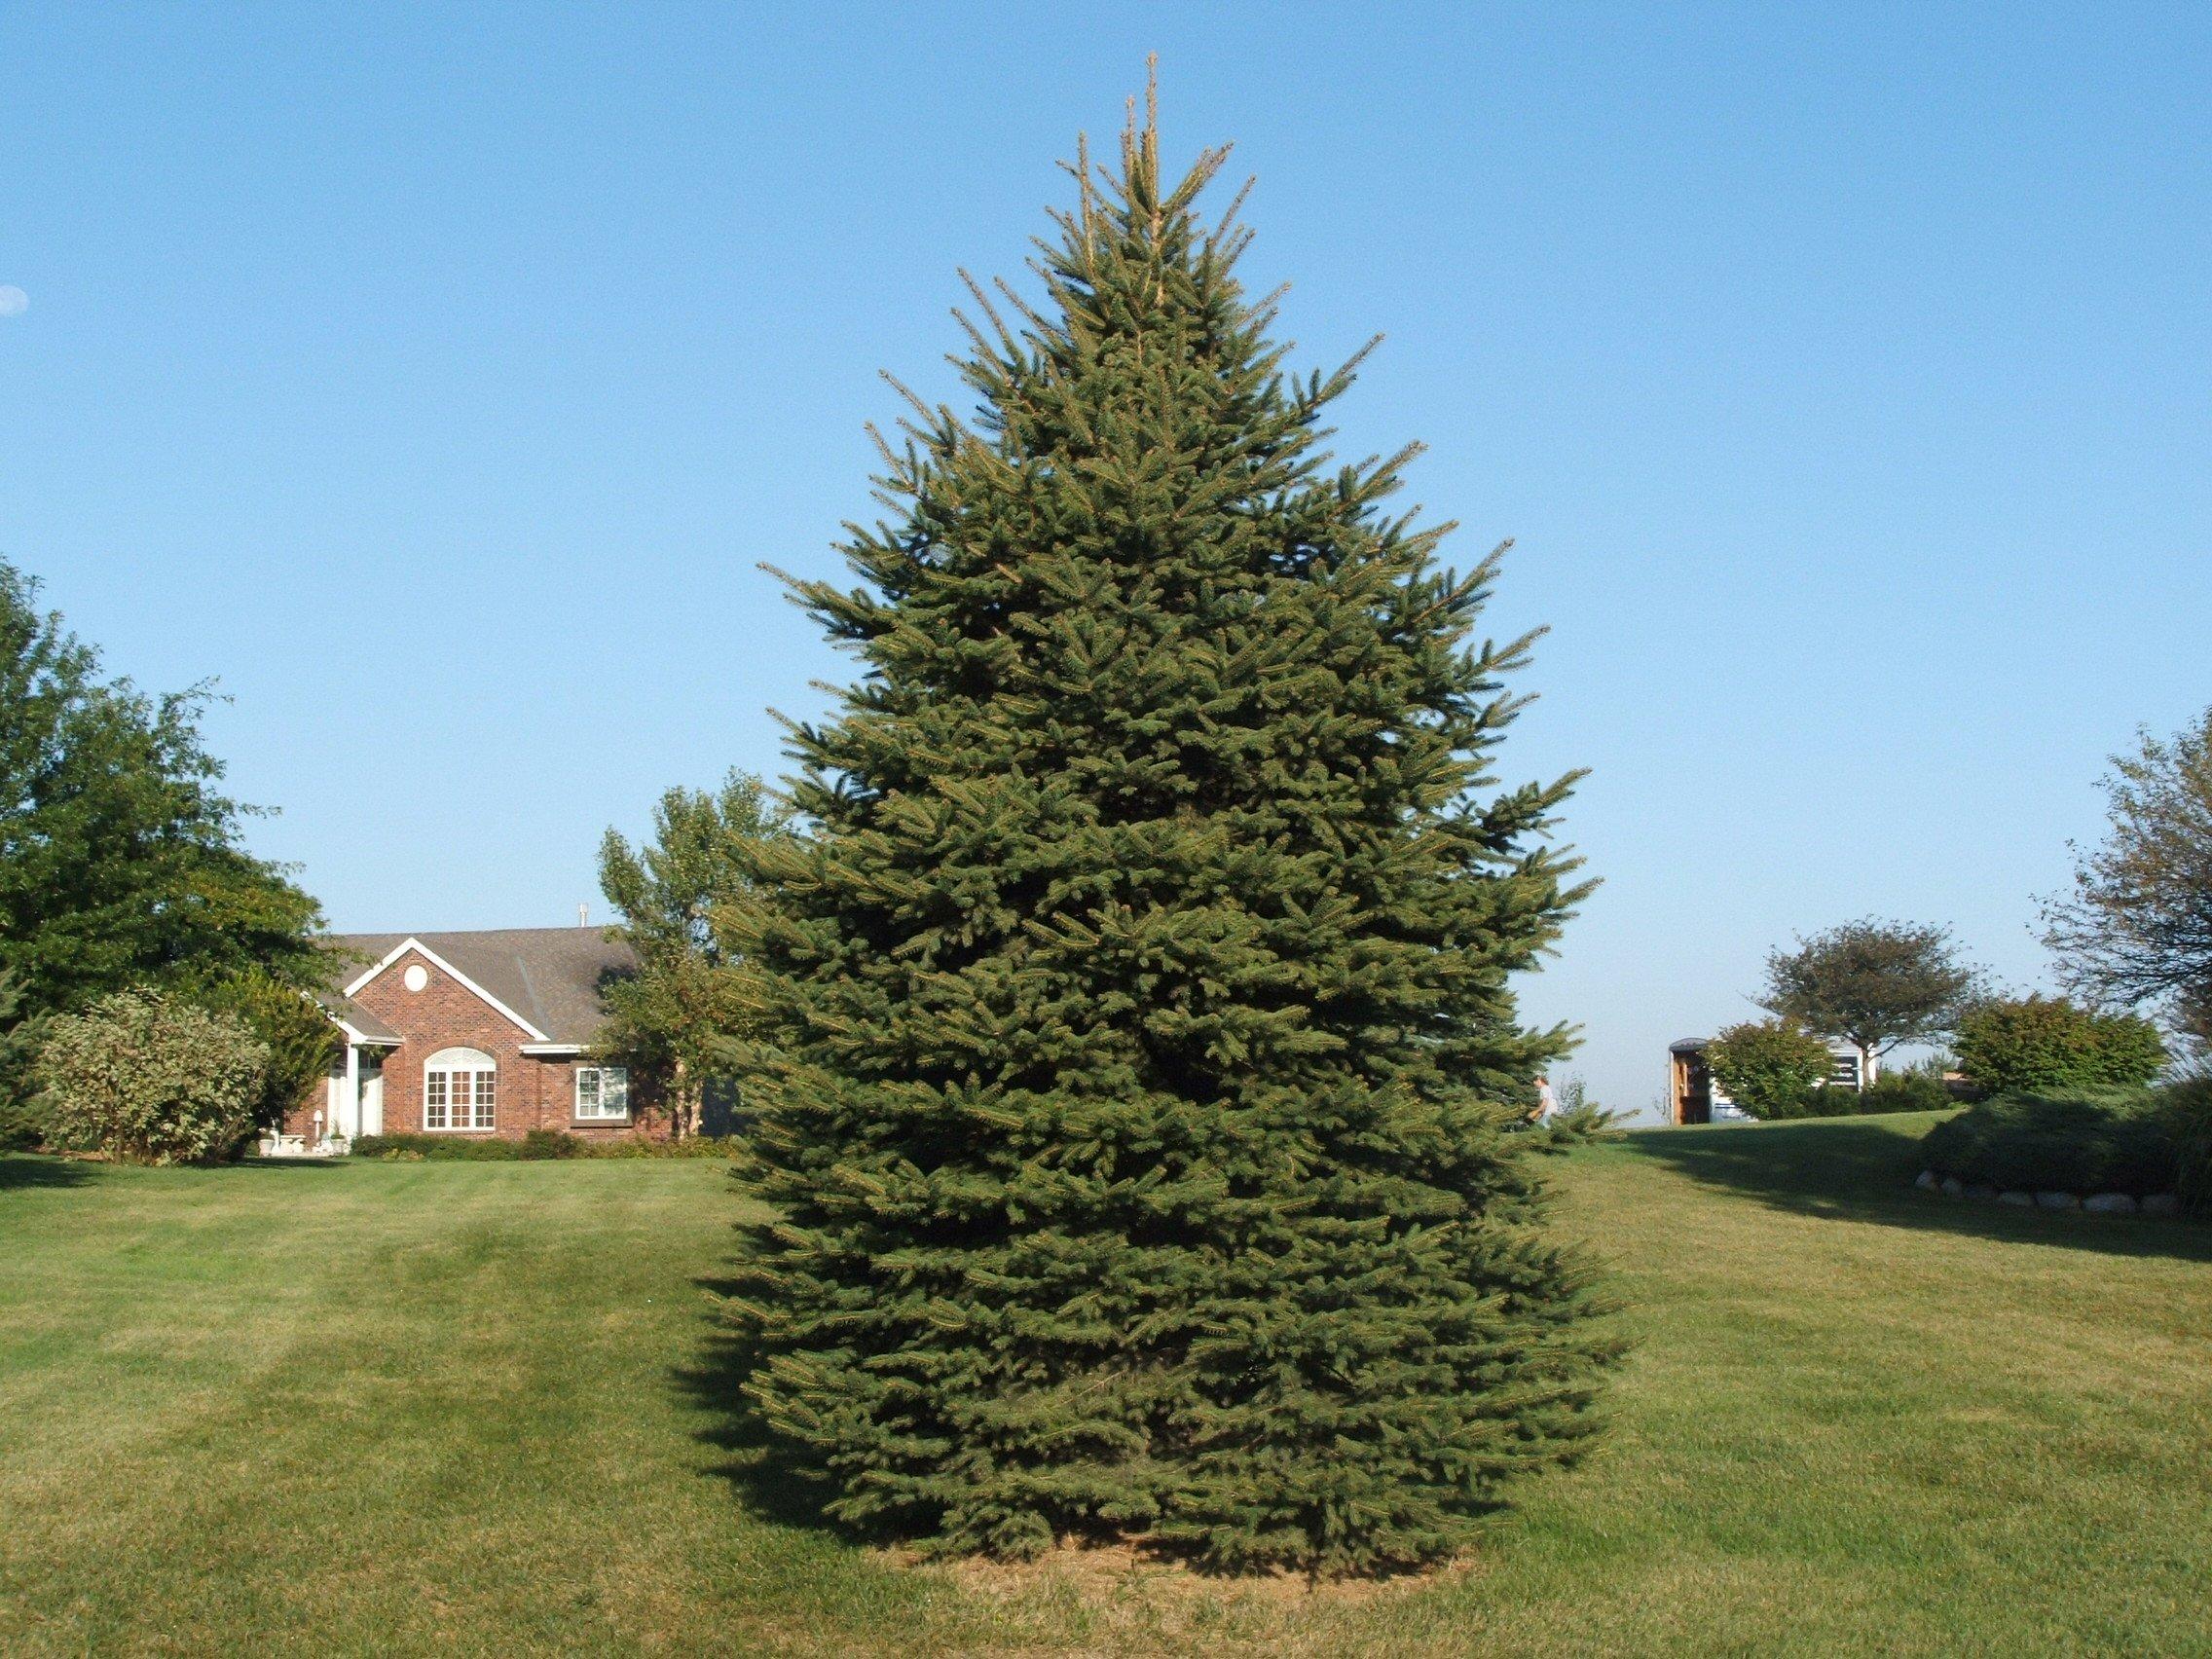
416, 1408
1863, 1169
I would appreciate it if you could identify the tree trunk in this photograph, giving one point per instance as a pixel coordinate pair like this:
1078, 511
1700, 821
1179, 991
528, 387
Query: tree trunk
682, 1104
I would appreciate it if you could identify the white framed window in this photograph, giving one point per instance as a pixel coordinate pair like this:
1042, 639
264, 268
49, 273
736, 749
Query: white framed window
603, 1094
461, 1089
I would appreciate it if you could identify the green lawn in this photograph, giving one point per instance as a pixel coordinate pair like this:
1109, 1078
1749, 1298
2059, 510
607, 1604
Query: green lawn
407, 1408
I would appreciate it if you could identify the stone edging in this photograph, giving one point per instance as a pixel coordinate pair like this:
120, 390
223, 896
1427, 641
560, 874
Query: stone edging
2096, 1203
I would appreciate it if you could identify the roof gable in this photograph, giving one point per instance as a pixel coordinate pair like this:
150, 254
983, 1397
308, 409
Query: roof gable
413, 947
549, 983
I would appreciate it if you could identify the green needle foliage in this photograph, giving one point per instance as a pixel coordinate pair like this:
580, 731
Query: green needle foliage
1142, 1064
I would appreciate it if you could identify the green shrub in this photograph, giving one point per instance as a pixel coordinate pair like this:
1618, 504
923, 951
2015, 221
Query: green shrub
1770, 1067
1916, 1088
150, 1078
2036, 1045
549, 1143
1828, 1100
2084, 1142
2187, 1108
301, 1040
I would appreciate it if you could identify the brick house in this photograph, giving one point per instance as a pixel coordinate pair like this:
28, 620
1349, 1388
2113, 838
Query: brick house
486, 1033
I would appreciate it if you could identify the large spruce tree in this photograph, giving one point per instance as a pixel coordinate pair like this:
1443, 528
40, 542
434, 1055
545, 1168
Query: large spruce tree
1137, 1108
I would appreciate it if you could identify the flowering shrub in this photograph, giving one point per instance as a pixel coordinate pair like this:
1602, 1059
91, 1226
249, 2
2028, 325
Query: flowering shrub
152, 1080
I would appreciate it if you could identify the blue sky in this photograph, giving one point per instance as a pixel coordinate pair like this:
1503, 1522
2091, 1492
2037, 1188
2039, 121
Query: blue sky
437, 378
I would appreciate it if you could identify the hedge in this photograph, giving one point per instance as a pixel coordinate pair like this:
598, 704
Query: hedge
2187, 1115
1916, 1088
2079, 1141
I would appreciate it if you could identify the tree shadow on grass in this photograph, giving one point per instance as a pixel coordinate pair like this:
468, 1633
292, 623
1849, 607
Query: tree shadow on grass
766, 1469
24, 1169
257, 1162
1863, 1169
44, 1170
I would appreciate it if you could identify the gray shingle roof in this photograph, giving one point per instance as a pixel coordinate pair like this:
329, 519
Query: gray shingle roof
341, 1006
554, 977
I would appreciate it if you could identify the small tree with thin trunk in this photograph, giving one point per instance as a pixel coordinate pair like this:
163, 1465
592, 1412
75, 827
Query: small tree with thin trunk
1873, 984
681, 1006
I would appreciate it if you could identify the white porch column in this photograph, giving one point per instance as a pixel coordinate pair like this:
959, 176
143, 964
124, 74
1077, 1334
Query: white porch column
346, 1121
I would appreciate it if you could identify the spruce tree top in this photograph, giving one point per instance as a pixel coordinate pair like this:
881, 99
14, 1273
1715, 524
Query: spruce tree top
1135, 1055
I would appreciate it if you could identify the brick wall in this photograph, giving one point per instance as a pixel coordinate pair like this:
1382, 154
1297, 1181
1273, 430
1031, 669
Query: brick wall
534, 1092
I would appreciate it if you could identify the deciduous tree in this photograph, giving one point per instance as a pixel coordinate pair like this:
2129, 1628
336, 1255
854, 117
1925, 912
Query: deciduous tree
683, 1007
1873, 984
2136, 930
121, 862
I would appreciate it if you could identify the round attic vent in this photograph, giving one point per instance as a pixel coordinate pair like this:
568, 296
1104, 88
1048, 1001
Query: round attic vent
415, 976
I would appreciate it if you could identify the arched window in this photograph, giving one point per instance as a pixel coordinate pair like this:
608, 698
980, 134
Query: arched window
460, 1089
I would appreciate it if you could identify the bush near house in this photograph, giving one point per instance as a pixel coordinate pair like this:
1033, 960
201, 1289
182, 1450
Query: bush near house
1915, 1089
1772, 1068
2078, 1141
2028, 1044
302, 1042
452, 1148
150, 1078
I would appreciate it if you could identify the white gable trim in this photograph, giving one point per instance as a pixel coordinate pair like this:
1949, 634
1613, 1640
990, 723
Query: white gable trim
451, 971
362, 1038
